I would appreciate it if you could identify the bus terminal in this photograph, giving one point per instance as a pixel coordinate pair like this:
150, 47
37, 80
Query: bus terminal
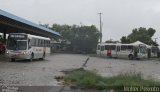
23, 39
10, 23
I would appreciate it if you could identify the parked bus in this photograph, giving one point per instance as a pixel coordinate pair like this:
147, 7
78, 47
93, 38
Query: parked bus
153, 52
26, 46
106, 49
131, 51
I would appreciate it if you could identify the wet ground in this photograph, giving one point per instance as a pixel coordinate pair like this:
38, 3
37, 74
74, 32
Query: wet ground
110, 67
42, 73
38, 72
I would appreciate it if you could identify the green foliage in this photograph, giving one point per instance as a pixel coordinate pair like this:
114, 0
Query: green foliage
88, 79
124, 39
81, 37
141, 34
111, 41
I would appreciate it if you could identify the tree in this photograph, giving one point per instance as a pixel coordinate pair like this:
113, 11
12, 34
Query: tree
140, 34
111, 41
124, 39
81, 37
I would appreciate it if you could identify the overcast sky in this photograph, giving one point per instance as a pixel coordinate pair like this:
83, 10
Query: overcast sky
119, 16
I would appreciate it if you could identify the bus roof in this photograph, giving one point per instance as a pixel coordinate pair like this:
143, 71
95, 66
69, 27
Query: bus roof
39, 37
119, 44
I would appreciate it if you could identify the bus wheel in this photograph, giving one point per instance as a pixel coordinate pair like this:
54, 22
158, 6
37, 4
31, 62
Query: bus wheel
13, 59
130, 57
32, 56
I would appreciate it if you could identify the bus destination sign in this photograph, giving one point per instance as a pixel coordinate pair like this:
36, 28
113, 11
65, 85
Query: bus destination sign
18, 36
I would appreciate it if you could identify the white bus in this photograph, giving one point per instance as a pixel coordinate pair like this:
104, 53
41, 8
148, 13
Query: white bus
131, 51
153, 52
106, 49
26, 46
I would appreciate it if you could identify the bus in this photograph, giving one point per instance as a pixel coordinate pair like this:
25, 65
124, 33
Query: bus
153, 52
117, 50
106, 49
26, 46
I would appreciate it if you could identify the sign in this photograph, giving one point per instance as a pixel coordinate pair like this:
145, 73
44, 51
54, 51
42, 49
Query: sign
18, 36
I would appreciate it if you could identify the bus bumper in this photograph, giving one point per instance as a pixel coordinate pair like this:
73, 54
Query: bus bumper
18, 56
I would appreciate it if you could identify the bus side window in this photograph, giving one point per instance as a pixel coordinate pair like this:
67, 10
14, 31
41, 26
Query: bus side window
130, 47
102, 48
49, 43
29, 43
36, 42
123, 47
118, 48
112, 47
107, 47
44, 43
39, 42
32, 41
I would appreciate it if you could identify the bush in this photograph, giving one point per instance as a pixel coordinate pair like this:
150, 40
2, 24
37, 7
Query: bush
89, 79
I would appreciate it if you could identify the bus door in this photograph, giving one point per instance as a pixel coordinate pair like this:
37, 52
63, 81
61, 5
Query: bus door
136, 52
149, 53
154, 51
123, 51
113, 50
102, 52
142, 51
98, 50
118, 51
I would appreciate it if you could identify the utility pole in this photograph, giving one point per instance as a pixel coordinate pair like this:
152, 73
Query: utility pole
100, 27
155, 39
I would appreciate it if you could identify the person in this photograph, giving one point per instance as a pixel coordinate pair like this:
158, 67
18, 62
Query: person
149, 53
135, 52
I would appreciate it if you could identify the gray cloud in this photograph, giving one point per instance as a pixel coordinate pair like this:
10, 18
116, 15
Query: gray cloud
119, 16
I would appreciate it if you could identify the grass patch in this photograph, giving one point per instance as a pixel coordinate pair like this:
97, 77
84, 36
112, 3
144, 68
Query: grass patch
89, 79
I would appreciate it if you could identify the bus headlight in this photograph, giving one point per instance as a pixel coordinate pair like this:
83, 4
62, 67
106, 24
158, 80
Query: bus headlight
25, 52
7, 52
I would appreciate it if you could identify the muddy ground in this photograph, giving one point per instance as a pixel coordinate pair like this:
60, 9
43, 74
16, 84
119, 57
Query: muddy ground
42, 73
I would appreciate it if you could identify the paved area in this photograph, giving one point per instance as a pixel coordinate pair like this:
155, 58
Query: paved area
38, 72
110, 67
42, 73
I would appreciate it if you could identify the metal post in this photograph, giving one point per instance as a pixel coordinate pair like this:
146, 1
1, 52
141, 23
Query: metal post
100, 27
4, 35
155, 40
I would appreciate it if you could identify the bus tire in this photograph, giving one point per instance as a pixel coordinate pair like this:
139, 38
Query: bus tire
130, 57
31, 58
13, 59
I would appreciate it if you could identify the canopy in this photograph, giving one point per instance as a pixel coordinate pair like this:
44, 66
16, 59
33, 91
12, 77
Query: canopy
139, 42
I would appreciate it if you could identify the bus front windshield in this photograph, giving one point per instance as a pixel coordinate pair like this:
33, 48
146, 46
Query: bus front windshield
16, 44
